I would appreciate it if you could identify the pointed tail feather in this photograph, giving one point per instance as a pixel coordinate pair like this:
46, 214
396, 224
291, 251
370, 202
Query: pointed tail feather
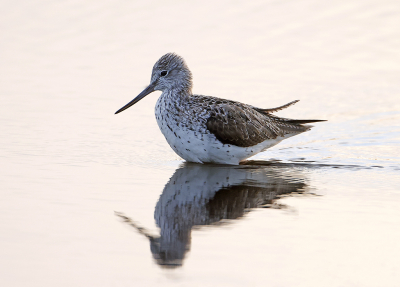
304, 121
267, 111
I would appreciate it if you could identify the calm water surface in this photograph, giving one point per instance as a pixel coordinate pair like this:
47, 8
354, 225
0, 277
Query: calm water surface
90, 198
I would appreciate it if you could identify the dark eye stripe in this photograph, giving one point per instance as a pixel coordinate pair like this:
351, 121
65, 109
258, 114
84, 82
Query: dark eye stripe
164, 73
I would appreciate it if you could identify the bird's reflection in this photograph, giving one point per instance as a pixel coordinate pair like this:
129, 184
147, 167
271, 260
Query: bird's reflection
199, 195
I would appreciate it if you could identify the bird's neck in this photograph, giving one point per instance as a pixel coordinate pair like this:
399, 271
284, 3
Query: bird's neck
177, 95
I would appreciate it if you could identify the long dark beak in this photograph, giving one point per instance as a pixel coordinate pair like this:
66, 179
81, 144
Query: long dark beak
145, 92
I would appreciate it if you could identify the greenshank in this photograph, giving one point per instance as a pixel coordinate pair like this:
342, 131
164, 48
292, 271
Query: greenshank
207, 129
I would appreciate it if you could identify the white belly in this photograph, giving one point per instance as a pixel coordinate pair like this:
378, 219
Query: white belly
205, 148
197, 144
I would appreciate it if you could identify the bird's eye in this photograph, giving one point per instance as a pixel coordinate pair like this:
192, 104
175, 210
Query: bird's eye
164, 73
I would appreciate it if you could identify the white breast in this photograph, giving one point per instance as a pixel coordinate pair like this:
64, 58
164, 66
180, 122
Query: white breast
193, 142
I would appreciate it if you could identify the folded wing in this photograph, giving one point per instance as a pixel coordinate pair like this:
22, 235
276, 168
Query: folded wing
245, 126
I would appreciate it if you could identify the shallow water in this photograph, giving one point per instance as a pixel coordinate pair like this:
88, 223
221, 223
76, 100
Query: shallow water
319, 209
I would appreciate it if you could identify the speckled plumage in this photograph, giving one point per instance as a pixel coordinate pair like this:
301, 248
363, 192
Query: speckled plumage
208, 129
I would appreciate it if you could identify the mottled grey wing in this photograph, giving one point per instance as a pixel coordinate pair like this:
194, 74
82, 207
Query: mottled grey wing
243, 126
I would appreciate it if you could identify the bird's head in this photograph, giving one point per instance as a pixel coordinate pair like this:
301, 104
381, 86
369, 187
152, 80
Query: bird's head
170, 72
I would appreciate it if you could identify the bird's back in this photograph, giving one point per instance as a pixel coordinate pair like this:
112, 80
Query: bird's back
243, 125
